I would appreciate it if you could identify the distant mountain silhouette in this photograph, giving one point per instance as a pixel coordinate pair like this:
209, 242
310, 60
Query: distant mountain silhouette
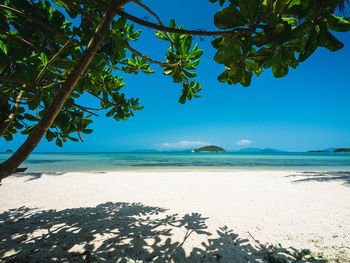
258, 150
160, 151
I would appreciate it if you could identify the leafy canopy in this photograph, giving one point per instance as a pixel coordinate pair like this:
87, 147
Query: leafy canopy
40, 46
283, 34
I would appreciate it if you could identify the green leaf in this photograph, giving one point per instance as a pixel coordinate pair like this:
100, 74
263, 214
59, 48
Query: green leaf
246, 78
161, 35
311, 46
339, 24
279, 70
3, 47
177, 76
59, 142
279, 5
249, 8
253, 66
168, 71
302, 29
186, 44
50, 135
196, 54
328, 40
43, 58
29, 117
73, 139
229, 17
88, 131
261, 55
189, 74
278, 64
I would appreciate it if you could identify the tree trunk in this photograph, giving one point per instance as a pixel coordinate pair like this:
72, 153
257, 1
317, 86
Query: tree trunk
12, 115
23, 152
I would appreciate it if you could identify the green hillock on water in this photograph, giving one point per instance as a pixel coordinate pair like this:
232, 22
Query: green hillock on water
342, 150
209, 148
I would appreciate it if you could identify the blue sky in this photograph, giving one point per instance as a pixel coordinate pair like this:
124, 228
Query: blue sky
307, 109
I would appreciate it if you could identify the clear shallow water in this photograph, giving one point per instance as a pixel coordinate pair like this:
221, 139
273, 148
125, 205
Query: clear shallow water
64, 162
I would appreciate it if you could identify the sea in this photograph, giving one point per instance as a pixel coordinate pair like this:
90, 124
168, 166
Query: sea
68, 162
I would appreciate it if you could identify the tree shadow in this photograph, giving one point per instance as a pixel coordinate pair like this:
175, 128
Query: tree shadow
35, 176
124, 232
329, 176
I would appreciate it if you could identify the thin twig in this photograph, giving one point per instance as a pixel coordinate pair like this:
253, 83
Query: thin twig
81, 11
183, 31
155, 15
175, 30
26, 42
52, 60
18, 81
26, 82
148, 59
112, 66
87, 109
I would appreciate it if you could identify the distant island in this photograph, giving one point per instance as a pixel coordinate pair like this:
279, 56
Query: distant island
209, 148
9, 151
342, 150
337, 150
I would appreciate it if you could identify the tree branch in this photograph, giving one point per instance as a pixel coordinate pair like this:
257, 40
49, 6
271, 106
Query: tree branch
37, 21
81, 11
154, 14
137, 53
173, 30
18, 81
41, 73
27, 43
112, 66
182, 31
93, 20
87, 109
12, 115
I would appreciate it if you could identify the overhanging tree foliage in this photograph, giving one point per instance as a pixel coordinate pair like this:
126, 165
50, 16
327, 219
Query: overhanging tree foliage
47, 62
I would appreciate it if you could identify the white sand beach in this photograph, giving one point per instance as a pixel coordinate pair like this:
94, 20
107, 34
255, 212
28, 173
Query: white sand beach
248, 216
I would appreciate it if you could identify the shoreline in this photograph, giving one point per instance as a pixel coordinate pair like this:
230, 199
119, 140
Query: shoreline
294, 209
186, 170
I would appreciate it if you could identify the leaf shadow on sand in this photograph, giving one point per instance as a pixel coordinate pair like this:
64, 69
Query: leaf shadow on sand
30, 176
329, 176
124, 232
34, 176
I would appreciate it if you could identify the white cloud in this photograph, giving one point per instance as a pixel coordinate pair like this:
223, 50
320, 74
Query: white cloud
183, 144
244, 142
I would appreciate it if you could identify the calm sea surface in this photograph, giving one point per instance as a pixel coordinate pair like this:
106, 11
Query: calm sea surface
64, 162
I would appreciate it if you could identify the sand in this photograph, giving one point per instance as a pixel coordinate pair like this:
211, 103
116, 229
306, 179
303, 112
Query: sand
243, 216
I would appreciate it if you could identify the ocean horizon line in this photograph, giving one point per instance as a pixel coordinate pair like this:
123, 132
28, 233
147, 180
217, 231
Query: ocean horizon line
155, 151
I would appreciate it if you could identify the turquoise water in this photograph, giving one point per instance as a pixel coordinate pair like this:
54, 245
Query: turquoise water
64, 162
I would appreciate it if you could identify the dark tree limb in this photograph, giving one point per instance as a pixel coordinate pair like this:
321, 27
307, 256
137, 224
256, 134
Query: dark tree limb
183, 31
154, 14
